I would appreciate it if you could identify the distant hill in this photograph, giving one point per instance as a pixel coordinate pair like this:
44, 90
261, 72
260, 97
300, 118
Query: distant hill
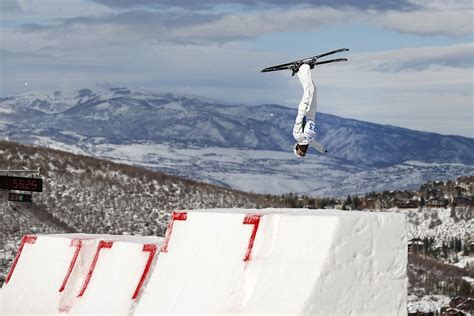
238, 146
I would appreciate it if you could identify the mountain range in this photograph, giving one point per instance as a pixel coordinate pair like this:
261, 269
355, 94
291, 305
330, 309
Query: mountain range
237, 146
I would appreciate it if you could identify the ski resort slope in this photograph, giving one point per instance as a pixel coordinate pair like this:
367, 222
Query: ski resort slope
225, 261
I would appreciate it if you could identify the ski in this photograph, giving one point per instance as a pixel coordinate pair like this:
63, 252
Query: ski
296, 66
330, 61
340, 50
318, 147
312, 61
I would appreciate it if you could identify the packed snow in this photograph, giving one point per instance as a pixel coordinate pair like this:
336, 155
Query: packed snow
229, 261
428, 303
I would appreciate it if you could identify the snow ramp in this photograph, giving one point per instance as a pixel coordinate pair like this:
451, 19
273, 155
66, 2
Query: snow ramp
77, 274
223, 261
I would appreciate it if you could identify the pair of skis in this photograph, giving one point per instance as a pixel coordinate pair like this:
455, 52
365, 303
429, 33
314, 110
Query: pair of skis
312, 61
294, 66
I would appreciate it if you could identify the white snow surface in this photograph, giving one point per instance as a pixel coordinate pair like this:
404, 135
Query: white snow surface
436, 223
464, 262
427, 303
469, 280
301, 262
34, 287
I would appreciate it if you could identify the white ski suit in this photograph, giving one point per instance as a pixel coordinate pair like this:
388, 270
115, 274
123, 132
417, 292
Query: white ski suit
307, 108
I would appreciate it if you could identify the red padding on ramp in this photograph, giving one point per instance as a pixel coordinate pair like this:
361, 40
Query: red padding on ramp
102, 244
175, 216
78, 244
251, 220
152, 250
30, 239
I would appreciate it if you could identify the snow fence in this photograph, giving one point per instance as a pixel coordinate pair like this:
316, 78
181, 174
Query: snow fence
227, 261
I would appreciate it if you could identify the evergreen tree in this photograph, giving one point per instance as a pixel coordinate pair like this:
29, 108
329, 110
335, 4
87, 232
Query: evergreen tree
347, 203
422, 201
466, 249
356, 203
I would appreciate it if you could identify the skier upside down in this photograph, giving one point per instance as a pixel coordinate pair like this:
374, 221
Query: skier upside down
304, 130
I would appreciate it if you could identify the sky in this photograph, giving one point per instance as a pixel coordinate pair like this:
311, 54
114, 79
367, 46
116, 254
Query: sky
410, 61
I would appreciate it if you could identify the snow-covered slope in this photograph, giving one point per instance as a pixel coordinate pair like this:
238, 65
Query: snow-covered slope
221, 261
234, 145
441, 224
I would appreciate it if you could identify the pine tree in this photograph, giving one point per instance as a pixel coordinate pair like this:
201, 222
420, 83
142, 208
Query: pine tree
422, 201
355, 203
347, 202
466, 250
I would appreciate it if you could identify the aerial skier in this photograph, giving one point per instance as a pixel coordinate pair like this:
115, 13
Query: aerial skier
304, 129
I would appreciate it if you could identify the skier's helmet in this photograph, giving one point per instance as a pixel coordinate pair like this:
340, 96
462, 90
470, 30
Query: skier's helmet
300, 150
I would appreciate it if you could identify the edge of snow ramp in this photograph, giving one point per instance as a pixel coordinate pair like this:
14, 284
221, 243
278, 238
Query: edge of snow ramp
226, 261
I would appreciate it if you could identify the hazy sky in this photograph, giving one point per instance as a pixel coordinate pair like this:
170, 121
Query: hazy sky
411, 62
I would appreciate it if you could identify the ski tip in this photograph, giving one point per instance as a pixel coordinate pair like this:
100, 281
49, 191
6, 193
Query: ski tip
270, 69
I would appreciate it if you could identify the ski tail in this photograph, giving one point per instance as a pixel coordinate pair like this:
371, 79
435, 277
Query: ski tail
318, 147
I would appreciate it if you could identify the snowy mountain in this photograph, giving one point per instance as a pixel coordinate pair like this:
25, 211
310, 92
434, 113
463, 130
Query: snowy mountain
238, 146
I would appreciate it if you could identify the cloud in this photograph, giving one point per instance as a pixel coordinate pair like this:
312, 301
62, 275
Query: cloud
429, 22
416, 59
10, 6
190, 27
30, 11
444, 4
253, 24
192, 4
123, 28
231, 27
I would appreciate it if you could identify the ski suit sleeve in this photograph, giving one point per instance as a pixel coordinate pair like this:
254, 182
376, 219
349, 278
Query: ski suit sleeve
306, 108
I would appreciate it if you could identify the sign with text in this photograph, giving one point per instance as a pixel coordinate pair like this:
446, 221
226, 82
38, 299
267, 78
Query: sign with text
19, 197
21, 184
